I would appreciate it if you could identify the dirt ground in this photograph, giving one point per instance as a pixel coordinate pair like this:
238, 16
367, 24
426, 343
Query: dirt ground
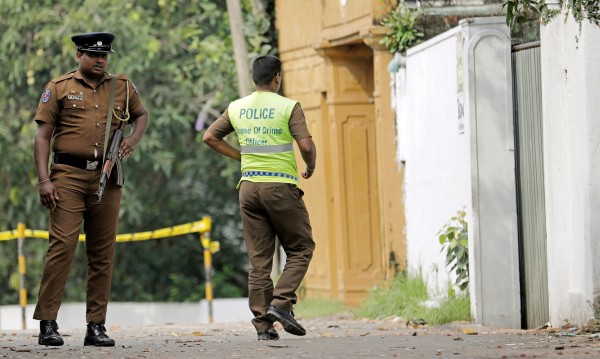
326, 338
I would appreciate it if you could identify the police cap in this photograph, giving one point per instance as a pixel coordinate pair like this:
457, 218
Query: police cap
94, 41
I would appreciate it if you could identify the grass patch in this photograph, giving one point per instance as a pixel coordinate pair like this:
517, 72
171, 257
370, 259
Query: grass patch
402, 297
452, 309
319, 307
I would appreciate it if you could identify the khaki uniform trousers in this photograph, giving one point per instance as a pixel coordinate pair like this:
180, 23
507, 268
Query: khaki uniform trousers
269, 210
77, 204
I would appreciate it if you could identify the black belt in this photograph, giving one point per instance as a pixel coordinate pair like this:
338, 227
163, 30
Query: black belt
73, 161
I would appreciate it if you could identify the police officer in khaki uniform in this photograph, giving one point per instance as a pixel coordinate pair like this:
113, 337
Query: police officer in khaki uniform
76, 120
271, 204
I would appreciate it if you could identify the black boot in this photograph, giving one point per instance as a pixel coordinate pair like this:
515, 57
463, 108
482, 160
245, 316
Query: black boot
286, 318
270, 334
49, 334
96, 336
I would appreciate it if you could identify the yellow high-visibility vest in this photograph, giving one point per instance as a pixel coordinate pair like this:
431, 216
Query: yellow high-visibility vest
261, 121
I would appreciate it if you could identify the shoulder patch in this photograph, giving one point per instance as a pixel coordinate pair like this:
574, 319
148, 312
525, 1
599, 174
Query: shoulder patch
46, 96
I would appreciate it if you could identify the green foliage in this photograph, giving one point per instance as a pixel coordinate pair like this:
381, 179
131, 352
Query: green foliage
523, 11
179, 55
520, 11
402, 33
260, 32
319, 307
584, 10
454, 238
403, 297
452, 309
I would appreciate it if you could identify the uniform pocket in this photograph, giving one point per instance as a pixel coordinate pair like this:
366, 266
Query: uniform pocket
118, 112
74, 105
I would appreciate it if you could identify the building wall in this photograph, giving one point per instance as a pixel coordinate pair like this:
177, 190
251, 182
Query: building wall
570, 86
333, 64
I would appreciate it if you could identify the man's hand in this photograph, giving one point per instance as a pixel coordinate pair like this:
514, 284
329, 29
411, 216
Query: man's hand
221, 147
127, 147
48, 195
139, 124
309, 172
41, 153
309, 155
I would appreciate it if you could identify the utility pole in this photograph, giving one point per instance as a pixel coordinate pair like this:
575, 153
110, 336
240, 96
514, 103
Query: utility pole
22, 272
240, 51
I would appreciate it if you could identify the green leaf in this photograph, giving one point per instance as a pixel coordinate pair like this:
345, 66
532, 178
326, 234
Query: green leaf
442, 238
454, 239
460, 251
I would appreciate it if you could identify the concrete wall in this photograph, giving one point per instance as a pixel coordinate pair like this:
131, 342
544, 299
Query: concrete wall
460, 154
571, 110
437, 181
72, 315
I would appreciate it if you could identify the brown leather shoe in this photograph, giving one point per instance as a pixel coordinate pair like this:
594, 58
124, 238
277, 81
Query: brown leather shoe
96, 336
49, 334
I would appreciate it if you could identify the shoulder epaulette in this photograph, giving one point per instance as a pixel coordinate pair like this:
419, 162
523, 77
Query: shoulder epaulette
121, 77
66, 76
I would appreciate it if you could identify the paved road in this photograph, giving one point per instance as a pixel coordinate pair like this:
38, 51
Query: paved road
326, 338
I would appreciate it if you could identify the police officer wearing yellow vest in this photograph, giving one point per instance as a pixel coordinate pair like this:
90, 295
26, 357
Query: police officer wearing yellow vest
77, 115
271, 204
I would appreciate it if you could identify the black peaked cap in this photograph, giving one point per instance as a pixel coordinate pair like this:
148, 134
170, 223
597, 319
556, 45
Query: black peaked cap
94, 41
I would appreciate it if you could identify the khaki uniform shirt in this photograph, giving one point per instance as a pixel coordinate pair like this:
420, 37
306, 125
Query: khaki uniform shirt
78, 112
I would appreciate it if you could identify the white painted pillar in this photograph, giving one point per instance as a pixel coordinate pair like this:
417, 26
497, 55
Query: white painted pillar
493, 236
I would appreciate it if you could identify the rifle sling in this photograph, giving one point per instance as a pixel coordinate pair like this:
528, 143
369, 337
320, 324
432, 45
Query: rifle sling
109, 112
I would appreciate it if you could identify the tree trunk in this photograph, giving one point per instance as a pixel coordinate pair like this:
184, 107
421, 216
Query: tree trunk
239, 46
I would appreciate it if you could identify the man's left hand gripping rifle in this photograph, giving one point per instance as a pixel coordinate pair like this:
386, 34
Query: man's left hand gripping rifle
112, 155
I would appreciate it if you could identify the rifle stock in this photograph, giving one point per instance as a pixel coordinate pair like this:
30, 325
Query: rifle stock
110, 159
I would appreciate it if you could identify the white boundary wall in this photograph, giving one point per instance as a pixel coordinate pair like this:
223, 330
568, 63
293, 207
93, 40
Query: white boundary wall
437, 181
571, 110
458, 144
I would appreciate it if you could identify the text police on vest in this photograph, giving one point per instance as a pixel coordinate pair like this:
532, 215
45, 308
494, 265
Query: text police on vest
257, 113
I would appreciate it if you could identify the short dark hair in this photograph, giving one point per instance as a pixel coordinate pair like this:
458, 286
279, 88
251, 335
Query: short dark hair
265, 68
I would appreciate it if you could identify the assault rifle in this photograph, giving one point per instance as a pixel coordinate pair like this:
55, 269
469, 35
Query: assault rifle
111, 158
